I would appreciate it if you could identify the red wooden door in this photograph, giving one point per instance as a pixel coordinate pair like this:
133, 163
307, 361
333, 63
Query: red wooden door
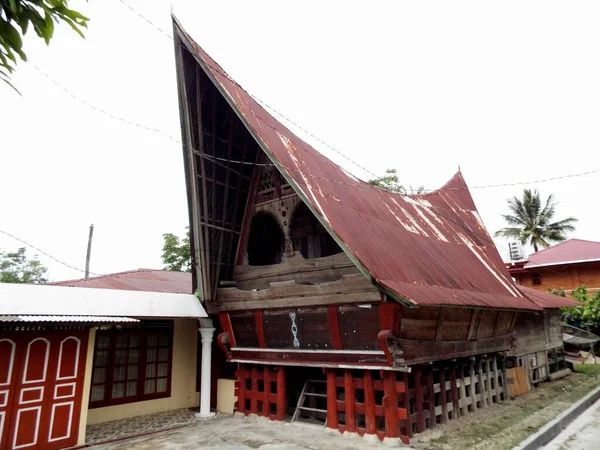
43, 412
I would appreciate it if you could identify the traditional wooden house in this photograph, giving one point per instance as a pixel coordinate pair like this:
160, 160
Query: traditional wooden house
368, 311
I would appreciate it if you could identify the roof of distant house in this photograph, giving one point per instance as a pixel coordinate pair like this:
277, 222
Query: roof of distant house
148, 280
567, 252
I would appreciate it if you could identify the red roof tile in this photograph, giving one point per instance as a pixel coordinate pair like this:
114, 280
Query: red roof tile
573, 250
137, 280
428, 249
547, 300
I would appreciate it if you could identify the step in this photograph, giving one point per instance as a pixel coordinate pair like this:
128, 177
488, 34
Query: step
317, 381
313, 394
304, 408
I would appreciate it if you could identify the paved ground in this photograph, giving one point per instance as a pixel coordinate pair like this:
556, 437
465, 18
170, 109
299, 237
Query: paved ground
582, 434
238, 433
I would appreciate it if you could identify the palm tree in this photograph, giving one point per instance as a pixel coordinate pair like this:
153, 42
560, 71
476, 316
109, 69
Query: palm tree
530, 223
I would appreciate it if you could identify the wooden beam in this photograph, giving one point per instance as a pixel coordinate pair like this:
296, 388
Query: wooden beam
370, 418
332, 414
496, 377
513, 321
496, 323
504, 379
454, 392
334, 328
463, 391
440, 324
221, 164
260, 331
225, 322
350, 402
443, 395
431, 398
241, 394
280, 408
249, 210
473, 385
254, 393
266, 400
488, 387
389, 315
408, 431
482, 393
419, 399
390, 405
474, 319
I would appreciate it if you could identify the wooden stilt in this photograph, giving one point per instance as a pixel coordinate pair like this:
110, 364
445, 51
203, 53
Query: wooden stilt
496, 373
370, 421
350, 402
432, 418
266, 410
473, 385
488, 388
419, 399
390, 404
332, 414
241, 400
454, 392
443, 399
463, 391
504, 379
408, 431
482, 393
254, 397
280, 414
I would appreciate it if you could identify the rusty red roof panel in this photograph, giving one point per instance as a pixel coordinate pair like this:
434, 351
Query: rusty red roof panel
137, 280
547, 300
431, 249
571, 251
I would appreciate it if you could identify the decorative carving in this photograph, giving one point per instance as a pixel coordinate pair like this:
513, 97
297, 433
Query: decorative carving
389, 344
294, 329
223, 342
289, 248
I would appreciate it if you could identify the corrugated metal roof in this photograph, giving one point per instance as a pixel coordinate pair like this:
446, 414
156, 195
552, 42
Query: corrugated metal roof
430, 249
69, 319
547, 300
573, 250
148, 280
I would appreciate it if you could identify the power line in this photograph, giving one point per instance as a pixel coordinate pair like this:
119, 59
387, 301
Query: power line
46, 254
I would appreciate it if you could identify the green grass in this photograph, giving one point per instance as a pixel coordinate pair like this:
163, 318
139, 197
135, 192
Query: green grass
590, 370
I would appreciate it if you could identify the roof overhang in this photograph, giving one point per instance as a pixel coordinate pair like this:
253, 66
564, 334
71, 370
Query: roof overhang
44, 300
561, 263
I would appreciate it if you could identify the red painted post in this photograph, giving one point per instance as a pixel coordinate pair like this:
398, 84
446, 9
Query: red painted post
350, 402
332, 414
390, 404
432, 418
419, 399
454, 392
406, 402
254, 393
227, 328
241, 389
334, 328
260, 331
443, 398
266, 407
280, 415
370, 420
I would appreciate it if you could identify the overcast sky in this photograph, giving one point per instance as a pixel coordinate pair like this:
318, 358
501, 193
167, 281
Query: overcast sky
509, 91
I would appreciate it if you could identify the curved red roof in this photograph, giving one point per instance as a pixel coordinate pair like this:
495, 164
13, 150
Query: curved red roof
567, 252
427, 249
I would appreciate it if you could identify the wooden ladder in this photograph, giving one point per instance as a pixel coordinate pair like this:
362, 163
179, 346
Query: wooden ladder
311, 390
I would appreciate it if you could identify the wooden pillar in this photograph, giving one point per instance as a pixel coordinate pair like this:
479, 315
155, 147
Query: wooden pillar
350, 402
266, 409
504, 379
241, 398
463, 391
496, 377
334, 327
370, 419
454, 391
406, 402
419, 399
390, 404
332, 414
432, 419
280, 414
488, 388
443, 399
254, 393
473, 385
482, 393
260, 331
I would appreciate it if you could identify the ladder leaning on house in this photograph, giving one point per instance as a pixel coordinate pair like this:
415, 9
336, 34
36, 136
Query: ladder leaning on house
312, 390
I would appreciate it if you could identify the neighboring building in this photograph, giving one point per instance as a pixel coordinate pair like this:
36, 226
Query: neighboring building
340, 302
89, 351
567, 265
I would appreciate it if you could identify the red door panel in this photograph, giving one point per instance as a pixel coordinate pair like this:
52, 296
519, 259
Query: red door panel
8, 366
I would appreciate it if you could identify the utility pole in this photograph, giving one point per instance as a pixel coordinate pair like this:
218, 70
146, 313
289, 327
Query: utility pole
89, 252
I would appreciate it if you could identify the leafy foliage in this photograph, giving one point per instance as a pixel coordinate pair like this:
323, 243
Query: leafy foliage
17, 267
588, 314
530, 222
176, 254
390, 182
15, 18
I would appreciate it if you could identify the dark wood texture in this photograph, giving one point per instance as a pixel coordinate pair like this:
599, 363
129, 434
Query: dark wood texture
244, 329
359, 327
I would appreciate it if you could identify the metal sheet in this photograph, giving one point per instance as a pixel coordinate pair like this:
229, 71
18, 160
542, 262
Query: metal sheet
431, 249
547, 300
70, 319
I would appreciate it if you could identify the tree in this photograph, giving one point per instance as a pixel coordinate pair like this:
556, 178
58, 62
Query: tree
586, 315
176, 254
17, 267
531, 223
390, 182
15, 18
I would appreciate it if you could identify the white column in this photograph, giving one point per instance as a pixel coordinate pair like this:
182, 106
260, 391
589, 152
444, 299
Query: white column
205, 378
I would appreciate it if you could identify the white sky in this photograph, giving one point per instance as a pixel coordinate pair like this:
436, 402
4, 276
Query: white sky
508, 90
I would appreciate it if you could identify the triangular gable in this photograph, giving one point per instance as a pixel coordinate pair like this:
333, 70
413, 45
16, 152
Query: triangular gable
427, 249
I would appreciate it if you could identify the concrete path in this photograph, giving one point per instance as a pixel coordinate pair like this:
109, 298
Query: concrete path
582, 434
238, 433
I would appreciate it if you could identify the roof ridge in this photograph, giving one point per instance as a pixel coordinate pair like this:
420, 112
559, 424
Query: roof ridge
551, 247
113, 275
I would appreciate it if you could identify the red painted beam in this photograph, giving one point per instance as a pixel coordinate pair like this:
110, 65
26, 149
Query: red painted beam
332, 415
370, 419
226, 327
280, 415
350, 402
334, 327
419, 399
260, 331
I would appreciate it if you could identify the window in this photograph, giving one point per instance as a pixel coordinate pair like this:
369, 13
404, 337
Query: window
536, 279
131, 366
